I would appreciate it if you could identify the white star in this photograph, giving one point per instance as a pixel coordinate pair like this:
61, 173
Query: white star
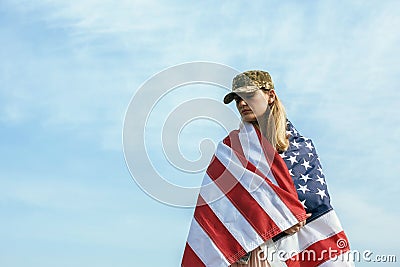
306, 164
294, 130
321, 193
304, 203
320, 170
289, 132
305, 178
303, 188
309, 145
290, 172
321, 180
310, 155
296, 153
295, 144
292, 159
283, 154
305, 138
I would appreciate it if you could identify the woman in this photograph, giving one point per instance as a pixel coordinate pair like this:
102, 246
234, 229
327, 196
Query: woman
261, 107
274, 208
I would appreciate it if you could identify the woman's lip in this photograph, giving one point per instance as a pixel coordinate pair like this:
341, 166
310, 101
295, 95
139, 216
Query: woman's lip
245, 111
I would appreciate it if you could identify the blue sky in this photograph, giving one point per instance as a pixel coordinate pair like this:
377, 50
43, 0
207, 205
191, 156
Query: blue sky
68, 70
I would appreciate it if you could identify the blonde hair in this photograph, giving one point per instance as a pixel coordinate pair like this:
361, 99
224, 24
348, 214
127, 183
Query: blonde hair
275, 119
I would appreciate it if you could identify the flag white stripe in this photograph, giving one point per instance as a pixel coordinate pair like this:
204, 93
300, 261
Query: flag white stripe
204, 247
253, 151
325, 226
258, 188
232, 219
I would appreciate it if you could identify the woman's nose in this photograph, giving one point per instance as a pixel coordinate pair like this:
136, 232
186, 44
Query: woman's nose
242, 103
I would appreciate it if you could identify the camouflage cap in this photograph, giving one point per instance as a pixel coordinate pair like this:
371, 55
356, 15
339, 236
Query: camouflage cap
248, 82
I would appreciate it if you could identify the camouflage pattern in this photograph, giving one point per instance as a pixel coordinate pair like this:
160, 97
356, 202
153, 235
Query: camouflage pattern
249, 81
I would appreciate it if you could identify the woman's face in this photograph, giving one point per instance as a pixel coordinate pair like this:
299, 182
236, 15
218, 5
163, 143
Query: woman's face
253, 105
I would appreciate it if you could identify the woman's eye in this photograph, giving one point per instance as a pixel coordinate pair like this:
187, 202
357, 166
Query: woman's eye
249, 95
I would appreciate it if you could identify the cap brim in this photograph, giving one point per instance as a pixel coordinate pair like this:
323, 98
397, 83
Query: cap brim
240, 90
229, 97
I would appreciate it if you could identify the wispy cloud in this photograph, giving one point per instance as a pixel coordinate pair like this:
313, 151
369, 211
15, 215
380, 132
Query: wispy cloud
71, 67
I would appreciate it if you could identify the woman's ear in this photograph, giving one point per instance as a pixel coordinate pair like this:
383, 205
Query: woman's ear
271, 96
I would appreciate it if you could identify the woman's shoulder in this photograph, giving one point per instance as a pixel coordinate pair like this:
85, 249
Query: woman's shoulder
228, 139
293, 132
295, 137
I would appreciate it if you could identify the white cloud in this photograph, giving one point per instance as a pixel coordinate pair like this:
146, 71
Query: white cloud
335, 63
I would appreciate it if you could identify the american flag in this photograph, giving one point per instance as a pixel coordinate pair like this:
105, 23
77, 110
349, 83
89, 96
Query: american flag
251, 194
305, 169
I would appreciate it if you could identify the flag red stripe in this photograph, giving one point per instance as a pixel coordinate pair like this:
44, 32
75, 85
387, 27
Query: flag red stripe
278, 165
286, 190
190, 258
218, 233
234, 143
232, 140
319, 252
242, 200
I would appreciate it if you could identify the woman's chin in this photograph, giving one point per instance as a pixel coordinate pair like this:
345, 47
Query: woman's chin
249, 118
